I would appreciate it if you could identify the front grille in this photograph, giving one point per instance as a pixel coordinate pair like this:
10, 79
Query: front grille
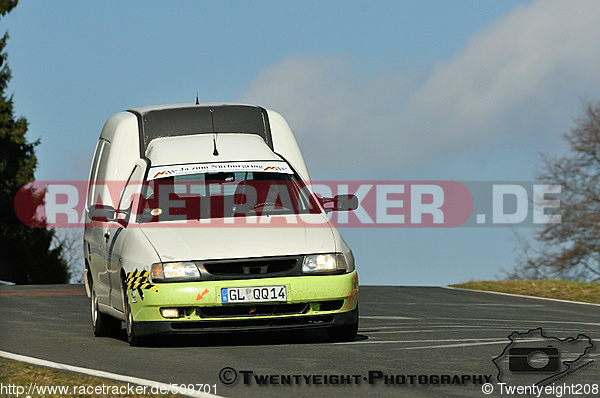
249, 310
251, 268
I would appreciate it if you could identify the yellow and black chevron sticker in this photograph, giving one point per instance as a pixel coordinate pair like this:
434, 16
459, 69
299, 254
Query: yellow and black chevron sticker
138, 280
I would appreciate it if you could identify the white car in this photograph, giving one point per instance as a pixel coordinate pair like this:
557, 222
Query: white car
200, 218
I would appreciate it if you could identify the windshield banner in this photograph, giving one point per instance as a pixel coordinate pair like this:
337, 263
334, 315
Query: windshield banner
195, 168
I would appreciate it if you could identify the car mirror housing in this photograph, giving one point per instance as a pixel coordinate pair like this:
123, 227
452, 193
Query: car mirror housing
340, 203
345, 202
102, 213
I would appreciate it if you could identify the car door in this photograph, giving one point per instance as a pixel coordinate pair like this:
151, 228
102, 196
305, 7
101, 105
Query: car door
90, 248
117, 232
95, 235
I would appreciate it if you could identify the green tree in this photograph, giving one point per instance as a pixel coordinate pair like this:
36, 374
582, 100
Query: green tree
26, 253
570, 249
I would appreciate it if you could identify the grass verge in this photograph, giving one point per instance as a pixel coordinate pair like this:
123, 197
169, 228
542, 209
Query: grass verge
14, 373
588, 292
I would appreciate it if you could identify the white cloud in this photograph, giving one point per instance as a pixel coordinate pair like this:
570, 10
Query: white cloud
516, 77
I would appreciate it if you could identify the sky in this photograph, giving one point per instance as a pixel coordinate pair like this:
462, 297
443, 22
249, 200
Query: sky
374, 90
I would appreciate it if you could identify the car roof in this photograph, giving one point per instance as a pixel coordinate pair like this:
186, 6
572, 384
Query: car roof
137, 127
172, 120
200, 148
148, 108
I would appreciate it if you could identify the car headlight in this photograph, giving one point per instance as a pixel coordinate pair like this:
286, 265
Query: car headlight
325, 263
175, 271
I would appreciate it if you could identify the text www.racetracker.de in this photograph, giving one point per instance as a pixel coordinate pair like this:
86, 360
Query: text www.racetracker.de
33, 389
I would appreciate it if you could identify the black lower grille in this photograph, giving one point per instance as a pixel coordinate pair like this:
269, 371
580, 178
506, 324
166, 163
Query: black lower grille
248, 310
251, 323
331, 305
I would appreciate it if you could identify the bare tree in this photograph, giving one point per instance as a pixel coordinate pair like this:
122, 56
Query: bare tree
70, 240
570, 249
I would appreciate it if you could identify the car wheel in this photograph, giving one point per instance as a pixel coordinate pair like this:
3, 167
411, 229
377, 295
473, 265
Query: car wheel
345, 332
103, 325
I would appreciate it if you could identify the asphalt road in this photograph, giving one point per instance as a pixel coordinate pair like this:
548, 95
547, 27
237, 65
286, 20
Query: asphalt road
404, 331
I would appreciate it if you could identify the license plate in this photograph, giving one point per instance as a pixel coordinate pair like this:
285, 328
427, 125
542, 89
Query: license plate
253, 294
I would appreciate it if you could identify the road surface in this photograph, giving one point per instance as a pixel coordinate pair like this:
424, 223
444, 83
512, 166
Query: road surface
427, 334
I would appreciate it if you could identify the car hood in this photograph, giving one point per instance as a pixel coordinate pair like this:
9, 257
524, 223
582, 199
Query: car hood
197, 241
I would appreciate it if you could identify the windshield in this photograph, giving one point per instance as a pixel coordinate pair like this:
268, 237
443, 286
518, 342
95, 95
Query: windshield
222, 194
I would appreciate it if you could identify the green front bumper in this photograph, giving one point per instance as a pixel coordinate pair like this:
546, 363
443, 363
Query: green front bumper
191, 297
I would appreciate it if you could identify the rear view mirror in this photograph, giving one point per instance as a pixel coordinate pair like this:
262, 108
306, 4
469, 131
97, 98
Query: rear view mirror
102, 213
340, 203
345, 202
219, 177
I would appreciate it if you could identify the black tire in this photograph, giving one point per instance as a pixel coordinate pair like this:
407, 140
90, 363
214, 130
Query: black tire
345, 332
103, 325
132, 338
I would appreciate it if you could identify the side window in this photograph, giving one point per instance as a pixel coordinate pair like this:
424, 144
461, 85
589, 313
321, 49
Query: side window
99, 181
94, 173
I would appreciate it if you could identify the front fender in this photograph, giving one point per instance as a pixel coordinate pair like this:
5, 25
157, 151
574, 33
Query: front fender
135, 253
